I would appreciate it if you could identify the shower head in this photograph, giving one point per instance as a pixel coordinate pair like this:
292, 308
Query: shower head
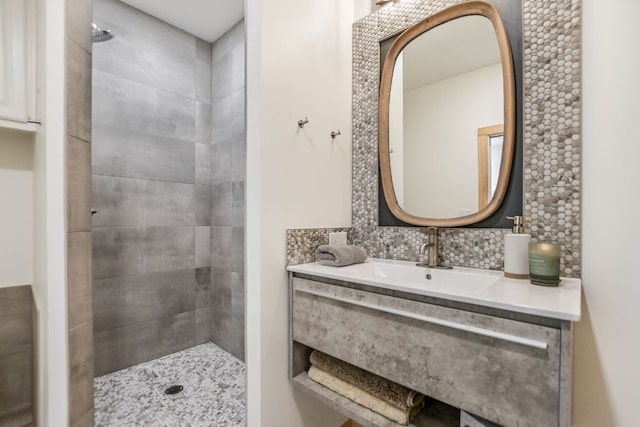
98, 35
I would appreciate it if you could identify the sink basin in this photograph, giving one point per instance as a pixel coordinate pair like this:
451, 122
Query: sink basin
411, 276
406, 276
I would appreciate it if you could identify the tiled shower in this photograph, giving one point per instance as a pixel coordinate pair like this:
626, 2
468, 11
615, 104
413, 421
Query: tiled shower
168, 156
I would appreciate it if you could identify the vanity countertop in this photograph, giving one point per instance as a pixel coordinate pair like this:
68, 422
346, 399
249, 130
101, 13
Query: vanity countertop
482, 287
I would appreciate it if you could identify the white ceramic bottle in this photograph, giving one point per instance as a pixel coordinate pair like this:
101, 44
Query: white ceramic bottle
516, 251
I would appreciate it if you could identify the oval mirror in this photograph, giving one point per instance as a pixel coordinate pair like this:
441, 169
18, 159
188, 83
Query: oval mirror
447, 118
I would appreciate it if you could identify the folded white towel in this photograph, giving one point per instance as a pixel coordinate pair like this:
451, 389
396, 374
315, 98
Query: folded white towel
340, 255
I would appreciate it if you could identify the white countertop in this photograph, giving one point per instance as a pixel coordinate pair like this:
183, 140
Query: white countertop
482, 287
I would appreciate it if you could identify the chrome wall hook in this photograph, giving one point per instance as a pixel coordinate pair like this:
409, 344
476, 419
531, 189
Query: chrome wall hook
335, 133
301, 122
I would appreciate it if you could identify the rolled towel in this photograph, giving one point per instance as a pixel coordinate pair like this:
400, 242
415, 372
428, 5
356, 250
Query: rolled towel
388, 391
340, 255
361, 397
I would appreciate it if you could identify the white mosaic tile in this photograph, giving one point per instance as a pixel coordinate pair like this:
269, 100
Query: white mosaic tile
302, 242
552, 125
213, 395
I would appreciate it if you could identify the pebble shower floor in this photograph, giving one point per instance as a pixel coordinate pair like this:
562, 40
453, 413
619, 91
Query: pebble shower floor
213, 395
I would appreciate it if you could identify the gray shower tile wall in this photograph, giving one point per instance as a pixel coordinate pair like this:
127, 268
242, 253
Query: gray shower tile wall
132, 299
152, 117
145, 50
139, 155
139, 107
203, 122
146, 340
130, 202
203, 71
203, 163
222, 115
203, 246
78, 76
227, 190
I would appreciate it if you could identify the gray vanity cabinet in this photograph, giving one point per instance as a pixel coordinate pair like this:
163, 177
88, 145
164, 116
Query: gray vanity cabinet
505, 367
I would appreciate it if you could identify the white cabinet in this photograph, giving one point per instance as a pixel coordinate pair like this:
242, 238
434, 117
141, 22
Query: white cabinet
17, 64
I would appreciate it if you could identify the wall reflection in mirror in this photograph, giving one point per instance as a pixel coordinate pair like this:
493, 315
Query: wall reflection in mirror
447, 87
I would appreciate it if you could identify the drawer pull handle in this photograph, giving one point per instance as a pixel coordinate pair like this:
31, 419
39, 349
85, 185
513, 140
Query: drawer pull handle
453, 325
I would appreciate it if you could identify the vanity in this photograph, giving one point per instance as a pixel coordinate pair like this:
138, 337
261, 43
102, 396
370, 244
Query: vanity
496, 350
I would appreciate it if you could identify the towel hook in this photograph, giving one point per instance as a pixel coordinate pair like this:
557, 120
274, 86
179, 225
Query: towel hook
301, 122
335, 133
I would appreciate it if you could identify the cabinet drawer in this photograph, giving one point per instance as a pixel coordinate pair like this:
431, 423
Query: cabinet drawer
502, 370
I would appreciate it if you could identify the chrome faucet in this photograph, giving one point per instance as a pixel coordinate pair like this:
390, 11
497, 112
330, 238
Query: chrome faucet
433, 259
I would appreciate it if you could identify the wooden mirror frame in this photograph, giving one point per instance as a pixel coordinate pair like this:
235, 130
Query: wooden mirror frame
474, 7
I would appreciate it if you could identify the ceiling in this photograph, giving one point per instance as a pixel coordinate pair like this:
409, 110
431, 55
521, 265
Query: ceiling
206, 19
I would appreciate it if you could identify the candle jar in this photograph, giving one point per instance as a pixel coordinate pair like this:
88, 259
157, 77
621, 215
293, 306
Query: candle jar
544, 264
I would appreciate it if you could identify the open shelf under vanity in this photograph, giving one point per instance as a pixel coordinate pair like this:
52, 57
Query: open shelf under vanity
434, 413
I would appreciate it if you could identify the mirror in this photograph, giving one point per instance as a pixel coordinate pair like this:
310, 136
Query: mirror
447, 118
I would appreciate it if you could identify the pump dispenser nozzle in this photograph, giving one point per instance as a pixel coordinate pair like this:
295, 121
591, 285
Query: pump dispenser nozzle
518, 224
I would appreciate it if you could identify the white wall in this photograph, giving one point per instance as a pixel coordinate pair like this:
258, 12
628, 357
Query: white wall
49, 220
16, 211
607, 342
362, 8
441, 123
298, 64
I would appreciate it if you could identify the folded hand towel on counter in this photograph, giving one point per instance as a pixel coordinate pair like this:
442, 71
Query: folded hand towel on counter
361, 397
382, 388
340, 255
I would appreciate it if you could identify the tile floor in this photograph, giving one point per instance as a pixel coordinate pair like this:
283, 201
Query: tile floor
213, 394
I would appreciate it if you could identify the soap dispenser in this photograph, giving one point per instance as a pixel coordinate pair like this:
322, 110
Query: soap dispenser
516, 251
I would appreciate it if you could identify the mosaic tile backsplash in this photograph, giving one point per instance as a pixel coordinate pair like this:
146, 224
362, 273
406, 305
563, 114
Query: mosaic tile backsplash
552, 141
302, 242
